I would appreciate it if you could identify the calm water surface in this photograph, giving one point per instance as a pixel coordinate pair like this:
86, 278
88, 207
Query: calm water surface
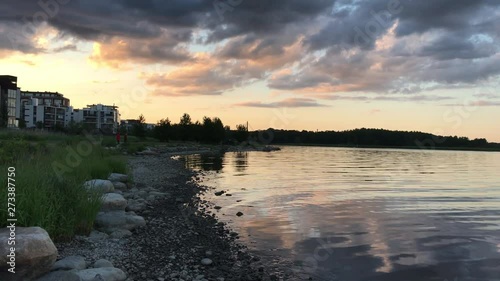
365, 214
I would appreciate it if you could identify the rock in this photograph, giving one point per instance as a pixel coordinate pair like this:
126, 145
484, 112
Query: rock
71, 262
97, 235
206, 261
229, 194
102, 263
118, 177
159, 194
135, 205
114, 220
103, 186
120, 233
217, 207
35, 253
219, 193
239, 214
147, 152
120, 185
142, 194
106, 274
60, 276
113, 202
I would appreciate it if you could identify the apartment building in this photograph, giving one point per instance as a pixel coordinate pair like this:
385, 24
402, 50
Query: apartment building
44, 110
10, 111
104, 118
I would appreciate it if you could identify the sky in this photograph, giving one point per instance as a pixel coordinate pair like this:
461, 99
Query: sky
430, 66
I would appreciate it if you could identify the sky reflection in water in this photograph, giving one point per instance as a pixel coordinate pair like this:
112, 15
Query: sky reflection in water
365, 214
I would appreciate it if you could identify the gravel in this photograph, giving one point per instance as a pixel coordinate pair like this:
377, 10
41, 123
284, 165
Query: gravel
181, 241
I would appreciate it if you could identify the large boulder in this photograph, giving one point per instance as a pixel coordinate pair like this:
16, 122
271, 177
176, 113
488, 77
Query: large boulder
69, 263
60, 276
109, 222
113, 202
106, 274
118, 177
35, 253
103, 186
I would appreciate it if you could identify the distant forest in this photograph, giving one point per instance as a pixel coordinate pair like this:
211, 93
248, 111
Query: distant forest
371, 138
212, 130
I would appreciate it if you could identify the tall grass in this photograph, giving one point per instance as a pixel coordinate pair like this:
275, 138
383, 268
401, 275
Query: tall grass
50, 198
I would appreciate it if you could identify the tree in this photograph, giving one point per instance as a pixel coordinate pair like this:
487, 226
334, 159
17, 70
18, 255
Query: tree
4, 113
163, 130
241, 134
22, 124
139, 128
185, 120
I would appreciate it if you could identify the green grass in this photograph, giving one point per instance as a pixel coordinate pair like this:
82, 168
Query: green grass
50, 171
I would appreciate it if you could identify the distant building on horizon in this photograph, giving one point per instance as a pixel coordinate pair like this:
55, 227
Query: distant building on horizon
44, 110
51, 110
104, 118
128, 124
10, 110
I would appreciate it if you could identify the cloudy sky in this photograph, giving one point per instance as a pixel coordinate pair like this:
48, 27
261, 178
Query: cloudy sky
318, 64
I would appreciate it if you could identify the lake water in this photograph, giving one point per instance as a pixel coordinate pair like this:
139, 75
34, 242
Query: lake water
365, 214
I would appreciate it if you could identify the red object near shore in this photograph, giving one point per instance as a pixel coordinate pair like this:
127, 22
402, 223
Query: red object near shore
118, 137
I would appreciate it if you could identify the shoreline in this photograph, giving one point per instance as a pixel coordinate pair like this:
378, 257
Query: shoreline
181, 232
472, 149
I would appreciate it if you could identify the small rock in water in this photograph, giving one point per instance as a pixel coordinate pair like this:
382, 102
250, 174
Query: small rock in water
217, 207
239, 214
229, 194
219, 193
206, 261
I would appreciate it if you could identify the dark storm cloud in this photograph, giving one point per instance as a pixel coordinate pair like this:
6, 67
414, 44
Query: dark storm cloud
441, 41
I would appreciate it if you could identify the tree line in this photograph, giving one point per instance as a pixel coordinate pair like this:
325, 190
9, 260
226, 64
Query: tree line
373, 137
209, 130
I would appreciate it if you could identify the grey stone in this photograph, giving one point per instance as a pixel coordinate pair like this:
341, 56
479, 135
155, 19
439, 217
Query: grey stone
120, 185
102, 263
97, 235
159, 194
113, 202
206, 261
142, 194
118, 177
60, 276
120, 233
135, 205
106, 274
111, 221
35, 253
71, 262
103, 186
